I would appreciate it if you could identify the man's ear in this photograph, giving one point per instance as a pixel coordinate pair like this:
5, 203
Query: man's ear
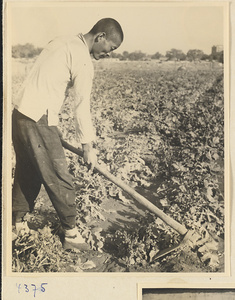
100, 36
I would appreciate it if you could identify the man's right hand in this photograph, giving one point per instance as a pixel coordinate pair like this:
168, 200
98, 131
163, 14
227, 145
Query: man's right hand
89, 155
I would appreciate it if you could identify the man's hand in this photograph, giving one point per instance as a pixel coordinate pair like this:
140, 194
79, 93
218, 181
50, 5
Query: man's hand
89, 155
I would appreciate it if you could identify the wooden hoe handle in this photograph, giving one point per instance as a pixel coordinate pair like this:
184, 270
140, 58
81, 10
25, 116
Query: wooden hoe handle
142, 200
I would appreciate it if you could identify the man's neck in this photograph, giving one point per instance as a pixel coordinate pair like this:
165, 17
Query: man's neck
89, 38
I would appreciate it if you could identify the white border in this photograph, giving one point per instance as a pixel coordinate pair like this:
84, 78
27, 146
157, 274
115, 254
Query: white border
108, 282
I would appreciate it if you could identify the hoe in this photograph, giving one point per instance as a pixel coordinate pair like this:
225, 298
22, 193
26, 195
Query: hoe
203, 242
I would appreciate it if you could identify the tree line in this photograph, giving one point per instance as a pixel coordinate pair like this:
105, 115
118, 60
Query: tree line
25, 51
29, 51
173, 54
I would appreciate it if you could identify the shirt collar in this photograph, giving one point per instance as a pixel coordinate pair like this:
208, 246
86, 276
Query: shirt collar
80, 35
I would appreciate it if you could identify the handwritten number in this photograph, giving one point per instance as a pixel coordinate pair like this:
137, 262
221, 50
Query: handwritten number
42, 288
26, 288
35, 289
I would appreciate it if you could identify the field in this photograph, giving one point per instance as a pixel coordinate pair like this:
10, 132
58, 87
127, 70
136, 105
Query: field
160, 128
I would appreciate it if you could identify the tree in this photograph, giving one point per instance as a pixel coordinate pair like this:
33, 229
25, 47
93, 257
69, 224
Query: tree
125, 55
137, 55
195, 54
116, 55
219, 56
175, 54
157, 55
25, 51
205, 57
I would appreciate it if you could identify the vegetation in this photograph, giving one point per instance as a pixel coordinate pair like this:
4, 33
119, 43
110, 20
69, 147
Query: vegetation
175, 54
29, 51
25, 51
161, 130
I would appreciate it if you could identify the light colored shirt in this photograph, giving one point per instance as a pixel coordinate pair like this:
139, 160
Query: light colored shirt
63, 60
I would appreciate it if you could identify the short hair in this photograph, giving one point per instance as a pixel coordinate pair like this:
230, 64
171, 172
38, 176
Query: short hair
110, 26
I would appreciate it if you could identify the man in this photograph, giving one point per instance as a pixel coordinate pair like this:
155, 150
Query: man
40, 158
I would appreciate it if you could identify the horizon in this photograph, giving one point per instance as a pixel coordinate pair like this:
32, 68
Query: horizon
147, 54
147, 28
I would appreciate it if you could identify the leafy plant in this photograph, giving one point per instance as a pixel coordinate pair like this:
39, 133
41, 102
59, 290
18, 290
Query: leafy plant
40, 251
158, 130
139, 247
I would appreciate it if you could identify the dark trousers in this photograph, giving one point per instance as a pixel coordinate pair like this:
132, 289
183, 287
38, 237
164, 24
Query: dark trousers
40, 159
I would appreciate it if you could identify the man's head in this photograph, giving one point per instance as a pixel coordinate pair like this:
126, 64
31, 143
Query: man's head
107, 36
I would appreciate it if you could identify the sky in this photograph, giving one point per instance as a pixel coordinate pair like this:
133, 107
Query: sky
147, 27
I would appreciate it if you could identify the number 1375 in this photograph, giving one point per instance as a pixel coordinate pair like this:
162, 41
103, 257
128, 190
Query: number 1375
31, 288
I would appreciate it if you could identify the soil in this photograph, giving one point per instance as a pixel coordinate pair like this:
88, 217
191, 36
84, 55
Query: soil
120, 215
146, 113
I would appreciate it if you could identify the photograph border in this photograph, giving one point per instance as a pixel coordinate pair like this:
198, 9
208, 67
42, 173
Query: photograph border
6, 211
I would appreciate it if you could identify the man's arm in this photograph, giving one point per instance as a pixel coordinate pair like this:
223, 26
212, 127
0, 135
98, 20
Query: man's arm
84, 128
83, 121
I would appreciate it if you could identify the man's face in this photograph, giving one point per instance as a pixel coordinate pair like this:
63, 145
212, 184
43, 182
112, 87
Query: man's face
102, 47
